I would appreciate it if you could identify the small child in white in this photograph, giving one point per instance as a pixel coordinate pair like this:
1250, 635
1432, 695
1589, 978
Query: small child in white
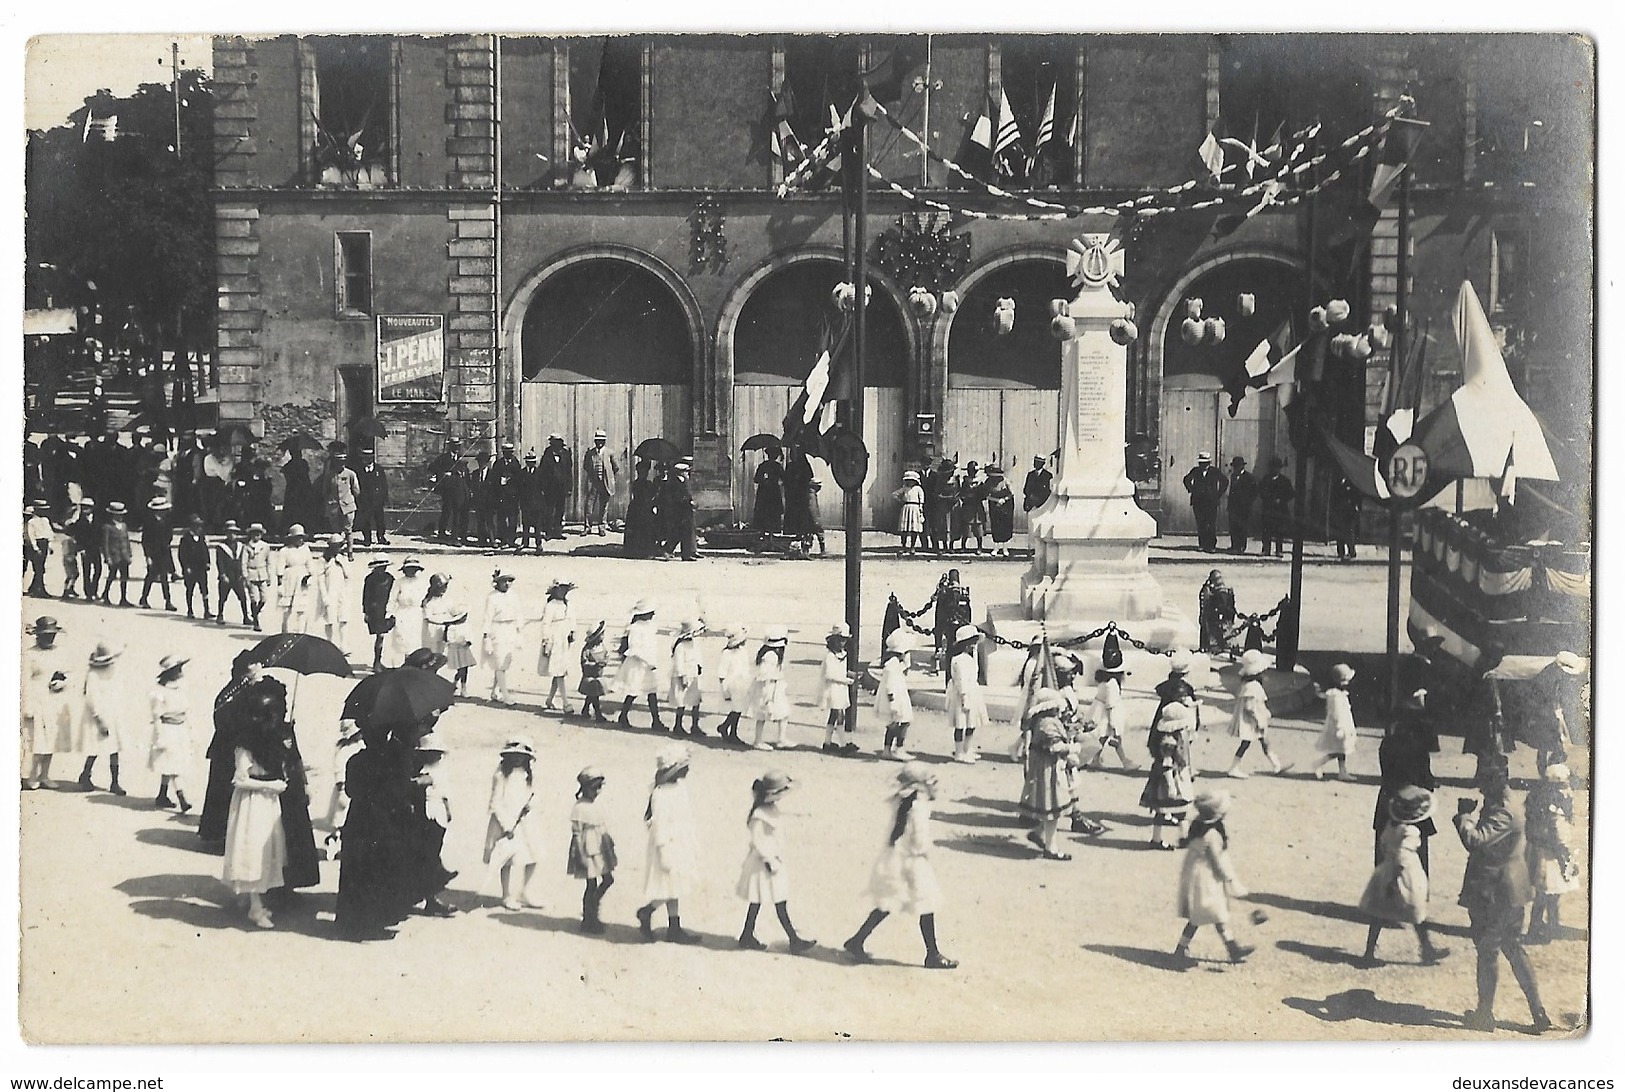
1252, 717
670, 864
892, 703
1338, 737
1109, 708
967, 708
436, 804
734, 671
512, 845
592, 850
683, 692
346, 747
763, 878
1549, 849
769, 703
835, 688
171, 752
1207, 881
1397, 893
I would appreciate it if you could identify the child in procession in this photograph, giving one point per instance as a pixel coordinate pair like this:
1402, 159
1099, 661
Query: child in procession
1252, 716
769, 701
763, 878
193, 554
171, 753
47, 712
1170, 787
257, 570
512, 840
445, 623
1338, 736
893, 706
967, 709
670, 863
1397, 893
594, 659
558, 641
1549, 848
734, 671
332, 591
1207, 880
116, 552
1047, 794
835, 688
592, 850
1109, 708
683, 690
902, 880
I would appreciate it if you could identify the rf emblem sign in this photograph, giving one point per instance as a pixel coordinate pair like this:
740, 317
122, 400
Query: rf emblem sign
1406, 471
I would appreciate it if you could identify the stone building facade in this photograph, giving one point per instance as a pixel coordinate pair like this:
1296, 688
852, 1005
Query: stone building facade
666, 289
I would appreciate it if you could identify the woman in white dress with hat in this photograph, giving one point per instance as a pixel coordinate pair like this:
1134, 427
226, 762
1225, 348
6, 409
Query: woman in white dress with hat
47, 721
103, 727
763, 877
558, 644
296, 571
769, 700
171, 754
902, 880
512, 838
639, 673
406, 598
967, 708
445, 624
1251, 719
670, 863
502, 628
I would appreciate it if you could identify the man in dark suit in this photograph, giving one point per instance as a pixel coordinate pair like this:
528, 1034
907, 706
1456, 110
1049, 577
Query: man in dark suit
1037, 488
505, 474
533, 509
374, 498
482, 501
677, 513
1495, 890
558, 478
1275, 494
1243, 495
452, 513
1206, 486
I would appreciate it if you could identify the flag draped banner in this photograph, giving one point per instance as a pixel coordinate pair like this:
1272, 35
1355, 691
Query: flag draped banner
1006, 136
1046, 131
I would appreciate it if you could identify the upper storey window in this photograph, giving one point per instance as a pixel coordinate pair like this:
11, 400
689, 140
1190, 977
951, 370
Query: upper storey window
605, 108
349, 84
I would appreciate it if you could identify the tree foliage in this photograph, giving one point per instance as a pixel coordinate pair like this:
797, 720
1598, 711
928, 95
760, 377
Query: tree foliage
127, 223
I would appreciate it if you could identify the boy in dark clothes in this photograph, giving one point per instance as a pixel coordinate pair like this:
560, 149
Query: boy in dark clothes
193, 555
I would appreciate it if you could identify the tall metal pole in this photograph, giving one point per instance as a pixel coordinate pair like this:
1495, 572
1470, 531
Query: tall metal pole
860, 283
175, 90
1286, 645
1401, 306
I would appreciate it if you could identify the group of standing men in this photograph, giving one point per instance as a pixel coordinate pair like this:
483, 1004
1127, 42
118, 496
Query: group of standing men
500, 502
1207, 486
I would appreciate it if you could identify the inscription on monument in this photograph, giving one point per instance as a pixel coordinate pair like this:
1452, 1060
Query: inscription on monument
1094, 394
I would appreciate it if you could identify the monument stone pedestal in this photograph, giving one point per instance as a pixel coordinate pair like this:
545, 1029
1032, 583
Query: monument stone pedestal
1090, 538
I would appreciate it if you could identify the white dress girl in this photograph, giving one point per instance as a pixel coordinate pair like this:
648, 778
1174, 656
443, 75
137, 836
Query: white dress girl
445, 622
557, 653
1337, 736
256, 847
759, 883
1252, 717
769, 699
683, 692
332, 599
832, 682
902, 880
892, 703
171, 754
734, 673
103, 721
513, 808
669, 866
502, 626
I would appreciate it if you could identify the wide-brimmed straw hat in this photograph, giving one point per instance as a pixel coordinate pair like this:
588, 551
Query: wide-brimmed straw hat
1045, 700
966, 632
841, 630
738, 635
591, 775
520, 747
45, 624
914, 773
1181, 663
1411, 804
772, 783
643, 608
1212, 804
1570, 663
430, 743
775, 635
1342, 674
911, 476
412, 563
1253, 663
172, 663
1176, 717
900, 640
671, 759
378, 559
1557, 773
104, 655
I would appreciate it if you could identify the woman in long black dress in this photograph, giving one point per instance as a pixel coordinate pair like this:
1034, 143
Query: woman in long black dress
300, 868
798, 498
767, 514
391, 859
641, 510
300, 504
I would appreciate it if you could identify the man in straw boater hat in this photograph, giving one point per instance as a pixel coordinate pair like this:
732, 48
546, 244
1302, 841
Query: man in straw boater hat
157, 528
640, 665
1206, 485
1495, 889
296, 571
599, 470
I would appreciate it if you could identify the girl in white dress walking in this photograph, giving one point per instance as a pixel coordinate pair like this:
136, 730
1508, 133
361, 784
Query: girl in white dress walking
592, 850
445, 623
734, 671
256, 845
892, 704
763, 877
171, 754
683, 691
558, 644
967, 709
102, 717
670, 864
502, 627
902, 880
835, 687
1252, 717
512, 842
1207, 880
1338, 737
406, 605
769, 701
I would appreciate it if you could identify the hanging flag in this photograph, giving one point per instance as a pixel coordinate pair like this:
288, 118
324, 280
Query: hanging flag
1272, 363
981, 132
1363, 471
1398, 148
1402, 392
1006, 136
1072, 133
1253, 159
824, 385
1211, 154
1485, 430
785, 147
1046, 131
102, 128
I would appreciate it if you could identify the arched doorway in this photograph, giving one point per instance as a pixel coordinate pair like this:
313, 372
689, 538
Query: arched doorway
606, 340
1003, 402
1195, 409
781, 325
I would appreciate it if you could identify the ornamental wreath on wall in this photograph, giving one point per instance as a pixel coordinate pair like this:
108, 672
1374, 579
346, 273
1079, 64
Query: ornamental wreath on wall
921, 250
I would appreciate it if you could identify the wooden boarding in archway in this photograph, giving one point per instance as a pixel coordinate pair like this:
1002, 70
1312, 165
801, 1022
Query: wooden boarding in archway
762, 409
1196, 419
629, 412
1013, 423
